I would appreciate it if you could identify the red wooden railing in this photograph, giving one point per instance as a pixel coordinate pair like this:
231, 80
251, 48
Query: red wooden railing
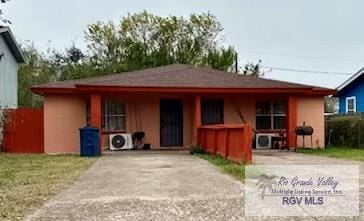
23, 130
233, 142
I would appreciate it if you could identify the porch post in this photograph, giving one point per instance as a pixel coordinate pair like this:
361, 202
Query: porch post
291, 121
95, 110
197, 118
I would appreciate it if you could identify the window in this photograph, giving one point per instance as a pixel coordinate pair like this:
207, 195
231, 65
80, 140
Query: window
271, 115
351, 104
112, 115
212, 111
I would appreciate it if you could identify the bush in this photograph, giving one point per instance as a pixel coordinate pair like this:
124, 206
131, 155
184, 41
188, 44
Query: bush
345, 131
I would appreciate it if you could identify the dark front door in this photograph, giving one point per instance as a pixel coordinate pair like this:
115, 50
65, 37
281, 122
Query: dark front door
171, 123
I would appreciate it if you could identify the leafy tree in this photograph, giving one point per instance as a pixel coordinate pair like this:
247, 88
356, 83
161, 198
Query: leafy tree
139, 40
70, 64
37, 70
72, 56
253, 69
143, 40
221, 59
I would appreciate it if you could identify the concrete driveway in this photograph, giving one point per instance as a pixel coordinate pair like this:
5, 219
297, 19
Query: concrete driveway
165, 186
148, 186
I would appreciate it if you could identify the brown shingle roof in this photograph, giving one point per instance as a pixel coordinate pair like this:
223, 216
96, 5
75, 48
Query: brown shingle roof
178, 75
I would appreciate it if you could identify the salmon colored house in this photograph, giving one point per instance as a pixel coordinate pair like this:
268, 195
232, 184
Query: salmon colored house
170, 103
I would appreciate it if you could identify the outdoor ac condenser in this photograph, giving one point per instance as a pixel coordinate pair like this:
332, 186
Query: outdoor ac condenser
120, 142
264, 141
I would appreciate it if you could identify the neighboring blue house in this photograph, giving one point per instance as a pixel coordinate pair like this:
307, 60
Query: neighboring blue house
10, 57
351, 94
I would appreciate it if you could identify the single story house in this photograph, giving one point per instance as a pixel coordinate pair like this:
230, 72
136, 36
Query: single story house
170, 103
351, 94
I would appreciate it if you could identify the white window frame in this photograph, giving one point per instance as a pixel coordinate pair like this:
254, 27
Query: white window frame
347, 104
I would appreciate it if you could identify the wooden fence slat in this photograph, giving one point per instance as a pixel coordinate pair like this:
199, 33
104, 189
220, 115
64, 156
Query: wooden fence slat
23, 130
233, 142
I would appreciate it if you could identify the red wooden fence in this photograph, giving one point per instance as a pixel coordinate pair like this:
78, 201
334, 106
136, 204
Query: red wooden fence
233, 142
23, 130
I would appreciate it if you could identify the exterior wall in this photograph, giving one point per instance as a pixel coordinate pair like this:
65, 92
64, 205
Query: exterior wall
8, 77
342, 103
245, 104
355, 89
63, 116
143, 114
311, 111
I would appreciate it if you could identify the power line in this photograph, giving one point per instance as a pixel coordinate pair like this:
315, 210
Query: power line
305, 56
305, 71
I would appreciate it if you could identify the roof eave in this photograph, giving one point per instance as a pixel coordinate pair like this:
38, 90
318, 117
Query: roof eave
112, 89
52, 90
12, 44
350, 80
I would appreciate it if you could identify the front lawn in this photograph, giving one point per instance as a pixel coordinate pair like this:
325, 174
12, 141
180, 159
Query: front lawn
28, 180
227, 166
337, 152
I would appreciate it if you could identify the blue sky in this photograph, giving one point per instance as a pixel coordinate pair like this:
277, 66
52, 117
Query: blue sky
325, 35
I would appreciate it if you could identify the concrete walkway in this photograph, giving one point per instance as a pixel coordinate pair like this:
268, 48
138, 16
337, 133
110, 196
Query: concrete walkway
148, 186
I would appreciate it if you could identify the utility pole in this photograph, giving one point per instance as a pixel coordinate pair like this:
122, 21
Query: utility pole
236, 63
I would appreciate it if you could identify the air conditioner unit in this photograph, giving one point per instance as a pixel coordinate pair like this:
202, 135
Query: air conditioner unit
264, 141
120, 142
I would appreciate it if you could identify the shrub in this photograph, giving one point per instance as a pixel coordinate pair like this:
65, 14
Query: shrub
345, 131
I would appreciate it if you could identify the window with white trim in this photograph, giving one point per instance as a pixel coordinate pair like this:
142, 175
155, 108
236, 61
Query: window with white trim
270, 115
351, 104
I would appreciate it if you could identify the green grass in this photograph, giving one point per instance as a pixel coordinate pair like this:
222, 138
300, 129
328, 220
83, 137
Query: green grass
28, 180
337, 152
227, 166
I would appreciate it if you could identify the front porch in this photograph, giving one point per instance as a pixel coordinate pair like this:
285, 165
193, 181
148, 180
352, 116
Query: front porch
173, 119
205, 96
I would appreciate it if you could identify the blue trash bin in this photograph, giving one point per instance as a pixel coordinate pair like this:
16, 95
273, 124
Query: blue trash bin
90, 142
